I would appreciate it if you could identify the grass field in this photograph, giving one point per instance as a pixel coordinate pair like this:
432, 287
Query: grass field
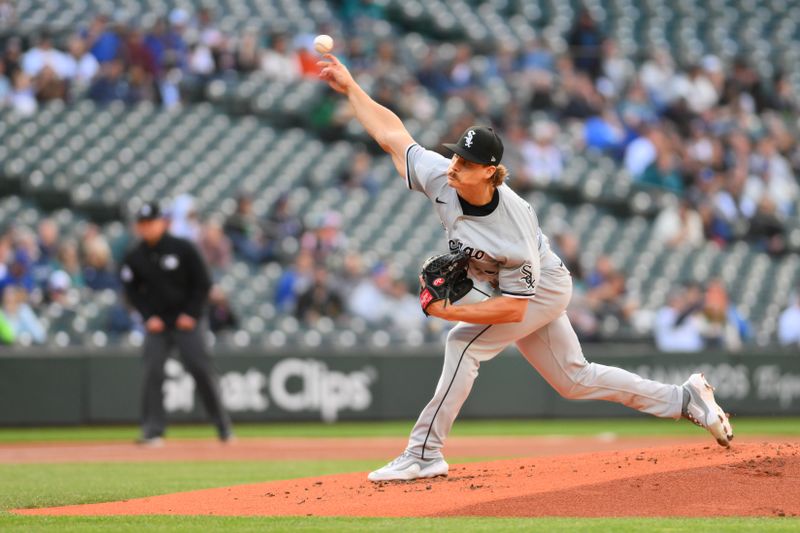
38, 485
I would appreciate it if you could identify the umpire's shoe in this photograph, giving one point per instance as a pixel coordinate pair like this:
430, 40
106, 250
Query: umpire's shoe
150, 442
407, 467
703, 410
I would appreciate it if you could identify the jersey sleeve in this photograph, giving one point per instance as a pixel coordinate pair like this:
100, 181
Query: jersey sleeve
426, 170
518, 277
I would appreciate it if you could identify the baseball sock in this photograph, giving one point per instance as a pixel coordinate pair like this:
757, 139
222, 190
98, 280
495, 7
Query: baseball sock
686, 398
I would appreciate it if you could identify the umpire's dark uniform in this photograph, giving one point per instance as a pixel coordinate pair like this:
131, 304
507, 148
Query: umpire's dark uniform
165, 277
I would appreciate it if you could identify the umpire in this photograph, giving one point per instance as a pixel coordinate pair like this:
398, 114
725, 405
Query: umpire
167, 281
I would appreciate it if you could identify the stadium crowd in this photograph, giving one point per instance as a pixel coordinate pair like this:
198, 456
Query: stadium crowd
713, 133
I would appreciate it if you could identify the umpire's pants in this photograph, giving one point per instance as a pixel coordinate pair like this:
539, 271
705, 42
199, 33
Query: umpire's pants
195, 357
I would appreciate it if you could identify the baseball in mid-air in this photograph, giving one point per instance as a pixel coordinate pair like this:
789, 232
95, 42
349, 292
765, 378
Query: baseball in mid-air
323, 44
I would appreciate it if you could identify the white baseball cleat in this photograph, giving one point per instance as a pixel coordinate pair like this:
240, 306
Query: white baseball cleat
407, 467
704, 411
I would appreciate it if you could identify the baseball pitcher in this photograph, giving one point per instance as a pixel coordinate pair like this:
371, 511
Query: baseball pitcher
518, 289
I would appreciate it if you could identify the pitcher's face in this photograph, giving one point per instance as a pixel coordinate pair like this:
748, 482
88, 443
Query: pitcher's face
463, 174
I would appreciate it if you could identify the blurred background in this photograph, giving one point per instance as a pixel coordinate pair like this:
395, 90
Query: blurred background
656, 140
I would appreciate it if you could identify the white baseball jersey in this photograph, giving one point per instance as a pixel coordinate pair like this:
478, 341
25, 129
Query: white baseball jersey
509, 252
507, 249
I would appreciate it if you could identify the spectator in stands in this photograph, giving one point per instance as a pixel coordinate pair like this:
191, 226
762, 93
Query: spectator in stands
679, 226
176, 51
503, 65
278, 61
766, 229
721, 324
47, 240
731, 208
111, 84
19, 273
664, 173
8, 13
542, 158
326, 237
137, 53
246, 233
536, 60
370, 294
5, 87
430, 75
772, 177
24, 323
581, 99
319, 300
122, 319
44, 56
221, 316
201, 61
99, 273
635, 108
677, 328
602, 272
744, 87
80, 65
789, 322
183, 219
414, 102
585, 44
105, 43
49, 85
69, 262
784, 97
23, 96
59, 290
215, 247
402, 309
696, 88
248, 54
211, 36
12, 56
567, 247
642, 151
617, 70
294, 281
307, 57
283, 222
610, 298
657, 76
359, 174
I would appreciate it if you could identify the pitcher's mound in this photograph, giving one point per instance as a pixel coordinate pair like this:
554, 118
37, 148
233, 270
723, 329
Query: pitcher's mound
696, 480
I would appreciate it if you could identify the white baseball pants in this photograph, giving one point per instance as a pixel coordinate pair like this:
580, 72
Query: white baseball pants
546, 339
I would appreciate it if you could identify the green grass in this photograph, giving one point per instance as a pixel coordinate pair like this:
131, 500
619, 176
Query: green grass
634, 427
455, 525
39, 485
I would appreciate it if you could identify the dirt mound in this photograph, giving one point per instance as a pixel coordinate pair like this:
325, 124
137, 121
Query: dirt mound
753, 479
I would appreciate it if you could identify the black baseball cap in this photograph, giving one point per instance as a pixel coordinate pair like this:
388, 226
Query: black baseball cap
479, 144
148, 211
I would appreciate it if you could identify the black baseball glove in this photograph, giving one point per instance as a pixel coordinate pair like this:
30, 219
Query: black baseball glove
444, 277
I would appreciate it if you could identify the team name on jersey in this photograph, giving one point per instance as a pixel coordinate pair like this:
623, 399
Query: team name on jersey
456, 245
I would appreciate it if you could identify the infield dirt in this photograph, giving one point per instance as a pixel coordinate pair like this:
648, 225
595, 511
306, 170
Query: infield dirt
750, 479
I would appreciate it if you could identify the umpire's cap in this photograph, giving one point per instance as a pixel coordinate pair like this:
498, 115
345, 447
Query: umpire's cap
479, 144
148, 211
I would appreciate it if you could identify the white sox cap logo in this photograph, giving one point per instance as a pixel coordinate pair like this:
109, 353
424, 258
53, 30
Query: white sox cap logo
468, 140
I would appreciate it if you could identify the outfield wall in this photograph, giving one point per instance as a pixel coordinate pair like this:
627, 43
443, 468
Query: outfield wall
41, 387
